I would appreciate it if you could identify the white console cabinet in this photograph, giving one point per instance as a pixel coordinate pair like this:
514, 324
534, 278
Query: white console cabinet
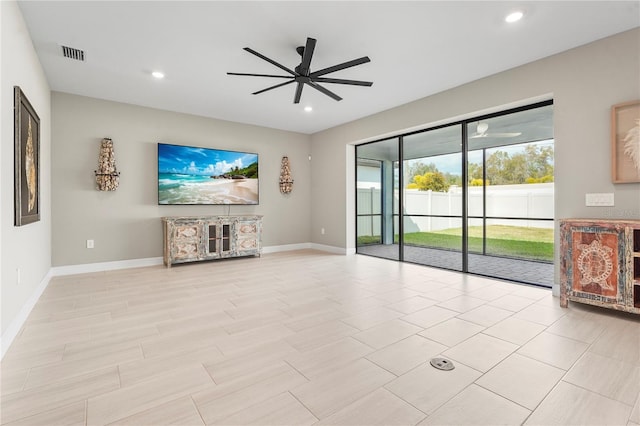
196, 238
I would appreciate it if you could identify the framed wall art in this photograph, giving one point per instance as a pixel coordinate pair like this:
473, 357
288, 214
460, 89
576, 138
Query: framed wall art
625, 142
27, 160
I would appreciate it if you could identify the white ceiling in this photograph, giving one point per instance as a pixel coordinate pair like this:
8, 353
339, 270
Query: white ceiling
417, 48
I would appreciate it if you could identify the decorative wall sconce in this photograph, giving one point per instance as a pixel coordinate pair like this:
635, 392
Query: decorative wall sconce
286, 181
107, 177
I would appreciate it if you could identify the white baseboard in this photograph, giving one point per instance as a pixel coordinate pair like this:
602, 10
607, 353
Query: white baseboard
330, 249
14, 328
153, 261
105, 266
287, 247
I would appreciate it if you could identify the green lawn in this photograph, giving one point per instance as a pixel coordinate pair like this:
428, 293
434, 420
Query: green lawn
511, 241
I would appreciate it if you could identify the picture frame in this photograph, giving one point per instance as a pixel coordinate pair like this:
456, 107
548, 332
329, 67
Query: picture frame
625, 142
26, 160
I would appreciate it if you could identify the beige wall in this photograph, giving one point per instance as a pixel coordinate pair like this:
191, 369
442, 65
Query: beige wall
26, 248
125, 224
583, 82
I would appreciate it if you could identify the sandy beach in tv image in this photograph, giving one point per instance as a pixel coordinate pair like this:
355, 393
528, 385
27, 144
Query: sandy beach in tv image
191, 175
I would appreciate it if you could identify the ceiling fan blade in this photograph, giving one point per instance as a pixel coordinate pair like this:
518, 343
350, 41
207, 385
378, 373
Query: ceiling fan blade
296, 98
271, 61
325, 91
306, 56
342, 81
341, 66
259, 75
273, 87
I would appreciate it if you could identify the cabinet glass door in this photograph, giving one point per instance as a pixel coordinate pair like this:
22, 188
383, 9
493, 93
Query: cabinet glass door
212, 239
226, 241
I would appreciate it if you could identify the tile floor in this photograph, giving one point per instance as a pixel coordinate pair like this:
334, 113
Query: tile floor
307, 337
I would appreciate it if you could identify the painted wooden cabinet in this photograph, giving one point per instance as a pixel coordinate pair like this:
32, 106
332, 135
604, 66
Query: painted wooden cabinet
196, 238
600, 263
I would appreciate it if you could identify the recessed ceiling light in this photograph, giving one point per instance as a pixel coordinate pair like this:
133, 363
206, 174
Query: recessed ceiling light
514, 17
308, 109
158, 74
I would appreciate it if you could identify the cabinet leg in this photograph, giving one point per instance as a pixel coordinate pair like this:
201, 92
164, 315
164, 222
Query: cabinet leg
564, 302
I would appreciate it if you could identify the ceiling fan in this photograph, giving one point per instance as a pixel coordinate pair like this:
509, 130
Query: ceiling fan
482, 131
302, 73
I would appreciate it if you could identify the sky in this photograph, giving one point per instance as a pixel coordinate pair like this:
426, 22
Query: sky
201, 161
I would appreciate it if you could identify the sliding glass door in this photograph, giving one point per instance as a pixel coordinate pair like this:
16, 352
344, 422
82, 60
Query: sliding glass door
432, 188
377, 199
475, 196
510, 195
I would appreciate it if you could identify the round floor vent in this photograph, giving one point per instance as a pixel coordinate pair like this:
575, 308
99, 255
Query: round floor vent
442, 364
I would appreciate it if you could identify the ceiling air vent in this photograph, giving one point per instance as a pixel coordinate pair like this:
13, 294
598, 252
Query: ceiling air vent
72, 53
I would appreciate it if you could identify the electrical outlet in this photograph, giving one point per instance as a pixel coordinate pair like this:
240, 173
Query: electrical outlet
89, 244
322, 231
17, 276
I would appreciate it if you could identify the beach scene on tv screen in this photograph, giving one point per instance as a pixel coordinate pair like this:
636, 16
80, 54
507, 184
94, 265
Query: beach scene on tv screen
191, 175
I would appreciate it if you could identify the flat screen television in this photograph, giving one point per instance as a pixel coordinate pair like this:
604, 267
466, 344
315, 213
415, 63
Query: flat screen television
206, 176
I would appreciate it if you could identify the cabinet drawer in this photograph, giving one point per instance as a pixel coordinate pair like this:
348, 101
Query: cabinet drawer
185, 249
186, 232
246, 229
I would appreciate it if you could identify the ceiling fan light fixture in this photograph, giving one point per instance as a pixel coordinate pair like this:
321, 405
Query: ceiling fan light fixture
514, 17
308, 108
482, 127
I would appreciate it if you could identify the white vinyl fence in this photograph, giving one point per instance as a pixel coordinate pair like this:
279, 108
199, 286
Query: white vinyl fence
529, 201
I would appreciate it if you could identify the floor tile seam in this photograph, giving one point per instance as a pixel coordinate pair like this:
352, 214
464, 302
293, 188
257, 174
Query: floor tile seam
445, 344
195, 406
434, 324
407, 402
399, 341
509, 399
544, 362
163, 402
302, 404
599, 394
564, 378
70, 376
39, 413
482, 325
22, 389
242, 388
520, 345
331, 413
434, 409
209, 373
309, 379
589, 345
315, 325
532, 359
622, 361
539, 323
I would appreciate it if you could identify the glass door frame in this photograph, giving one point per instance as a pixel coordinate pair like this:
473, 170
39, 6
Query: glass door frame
465, 184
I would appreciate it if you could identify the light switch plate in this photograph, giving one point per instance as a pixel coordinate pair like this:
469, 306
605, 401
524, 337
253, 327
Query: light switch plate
599, 200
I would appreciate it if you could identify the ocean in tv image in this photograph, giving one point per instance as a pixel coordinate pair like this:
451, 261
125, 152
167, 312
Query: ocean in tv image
192, 175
